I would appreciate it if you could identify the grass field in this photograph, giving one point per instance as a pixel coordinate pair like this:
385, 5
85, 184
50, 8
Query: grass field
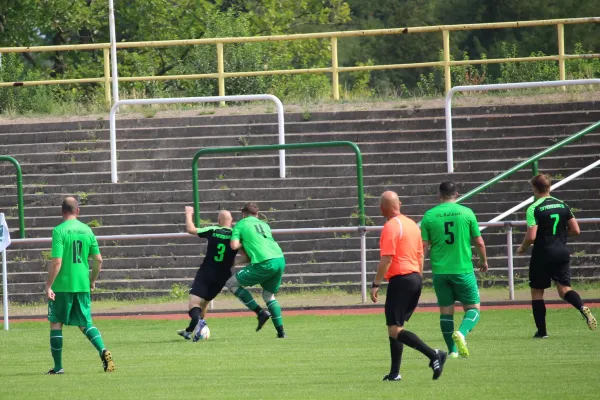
325, 357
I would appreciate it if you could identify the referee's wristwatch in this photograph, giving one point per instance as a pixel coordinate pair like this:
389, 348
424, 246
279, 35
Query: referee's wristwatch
374, 285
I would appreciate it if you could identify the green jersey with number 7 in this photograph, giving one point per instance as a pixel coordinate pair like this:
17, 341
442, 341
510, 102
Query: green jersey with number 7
449, 227
551, 216
257, 240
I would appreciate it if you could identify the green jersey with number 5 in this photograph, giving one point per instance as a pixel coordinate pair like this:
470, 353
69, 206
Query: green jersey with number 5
73, 242
449, 228
550, 215
257, 240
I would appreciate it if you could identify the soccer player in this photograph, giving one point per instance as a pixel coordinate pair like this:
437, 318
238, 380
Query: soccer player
212, 274
448, 230
549, 223
265, 269
69, 283
401, 264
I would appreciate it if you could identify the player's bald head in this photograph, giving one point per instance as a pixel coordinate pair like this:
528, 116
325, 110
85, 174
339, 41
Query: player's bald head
225, 219
70, 206
390, 204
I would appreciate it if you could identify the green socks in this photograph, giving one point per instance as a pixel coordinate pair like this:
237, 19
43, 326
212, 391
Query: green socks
447, 327
469, 321
246, 298
56, 344
275, 310
93, 335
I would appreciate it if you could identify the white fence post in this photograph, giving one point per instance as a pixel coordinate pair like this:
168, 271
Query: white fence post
498, 86
179, 100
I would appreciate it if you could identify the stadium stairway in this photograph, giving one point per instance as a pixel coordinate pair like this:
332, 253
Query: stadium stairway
403, 149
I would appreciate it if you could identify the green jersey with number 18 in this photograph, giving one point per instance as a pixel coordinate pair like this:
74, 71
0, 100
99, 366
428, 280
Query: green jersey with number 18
257, 240
449, 228
73, 242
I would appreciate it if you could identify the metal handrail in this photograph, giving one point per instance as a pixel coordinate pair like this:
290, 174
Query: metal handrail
532, 160
334, 69
20, 202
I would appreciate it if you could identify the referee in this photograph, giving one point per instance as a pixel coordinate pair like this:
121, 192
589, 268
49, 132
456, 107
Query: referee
401, 265
549, 223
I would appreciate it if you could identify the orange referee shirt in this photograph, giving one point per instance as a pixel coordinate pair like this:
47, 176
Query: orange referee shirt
401, 239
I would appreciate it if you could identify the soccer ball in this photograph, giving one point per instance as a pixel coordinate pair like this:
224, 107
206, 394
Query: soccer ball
204, 333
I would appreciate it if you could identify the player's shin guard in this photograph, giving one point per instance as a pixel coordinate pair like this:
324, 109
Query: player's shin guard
574, 299
56, 345
246, 298
275, 310
194, 314
396, 348
469, 321
447, 327
94, 336
539, 315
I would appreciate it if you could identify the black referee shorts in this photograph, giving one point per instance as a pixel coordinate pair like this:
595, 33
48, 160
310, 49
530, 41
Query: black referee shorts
209, 282
402, 298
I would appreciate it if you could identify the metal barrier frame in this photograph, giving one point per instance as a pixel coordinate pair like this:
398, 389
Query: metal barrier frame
207, 99
362, 230
20, 201
335, 69
498, 86
310, 145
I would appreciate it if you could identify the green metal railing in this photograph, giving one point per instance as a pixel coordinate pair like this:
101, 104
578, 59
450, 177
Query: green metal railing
533, 161
311, 145
19, 193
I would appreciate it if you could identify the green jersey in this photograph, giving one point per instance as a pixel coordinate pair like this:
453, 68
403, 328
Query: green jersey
257, 240
73, 242
449, 228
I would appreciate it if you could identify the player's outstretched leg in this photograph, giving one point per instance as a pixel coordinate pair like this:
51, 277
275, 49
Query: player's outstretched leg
56, 345
245, 297
437, 358
571, 296
94, 336
275, 311
470, 319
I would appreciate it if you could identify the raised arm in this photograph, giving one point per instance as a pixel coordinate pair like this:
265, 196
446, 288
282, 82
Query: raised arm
190, 227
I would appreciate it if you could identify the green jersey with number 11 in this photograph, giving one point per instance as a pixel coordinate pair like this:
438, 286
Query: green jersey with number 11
449, 228
257, 240
74, 242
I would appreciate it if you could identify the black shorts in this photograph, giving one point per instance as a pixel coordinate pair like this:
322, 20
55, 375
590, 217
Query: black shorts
541, 274
209, 282
402, 298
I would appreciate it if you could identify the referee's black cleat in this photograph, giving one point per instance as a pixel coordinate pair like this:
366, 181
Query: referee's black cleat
539, 335
437, 363
392, 378
263, 317
53, 372
107, 361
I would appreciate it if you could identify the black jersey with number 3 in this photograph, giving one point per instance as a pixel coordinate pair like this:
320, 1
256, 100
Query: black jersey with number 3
551, 216
218, 252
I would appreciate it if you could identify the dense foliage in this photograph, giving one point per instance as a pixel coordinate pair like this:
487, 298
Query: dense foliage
58, 22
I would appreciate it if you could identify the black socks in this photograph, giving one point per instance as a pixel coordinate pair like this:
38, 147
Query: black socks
539, 315
396, 348
412, 340
195, 317
573, 297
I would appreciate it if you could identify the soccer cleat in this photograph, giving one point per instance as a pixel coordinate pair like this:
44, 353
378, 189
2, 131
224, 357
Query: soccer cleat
461, 344
53, 372
198, 330
539, 335
453, 355
591, 321
437, 363
281, 335
107, 361
184, 334
263, 317
392, 378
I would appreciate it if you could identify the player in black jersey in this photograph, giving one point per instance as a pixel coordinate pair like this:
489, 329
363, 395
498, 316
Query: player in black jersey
549, 223
214, 271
